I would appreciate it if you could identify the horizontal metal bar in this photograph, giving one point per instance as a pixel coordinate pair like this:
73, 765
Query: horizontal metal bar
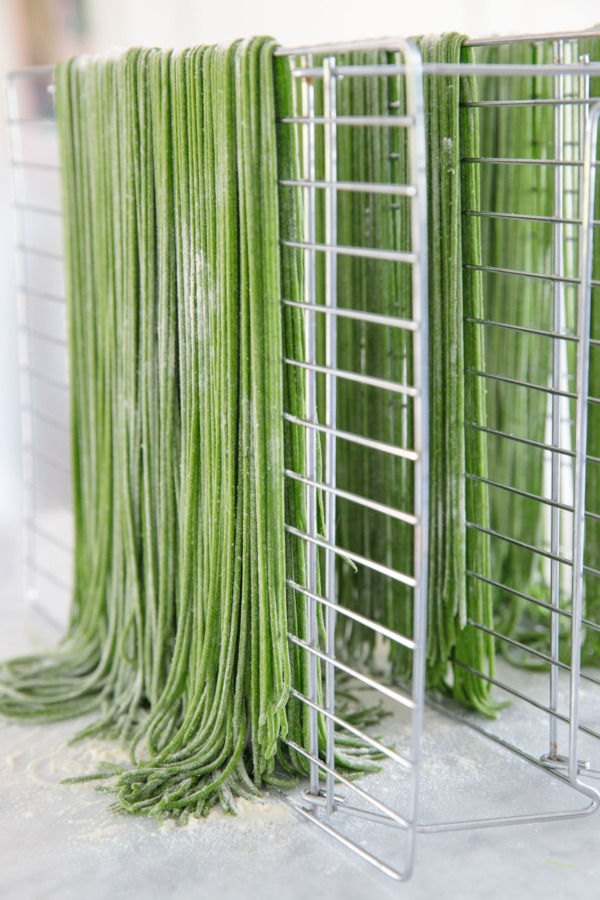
465, 70
377, 745
522, 329
514, 643
41, 376
57, 499
401, 256
38, 251
357, 314
513, 490
392, 44
500, 821
41, 336
526, 384
389, 44
503, 537
546, 709
404, 823
346, 842
511, 690
382, 508
30, 120
32, 525
527, 597
554, 610
542, 101
49, 576
495, 70
394, 636
368, 380
373, 121
521, 161
551, 448
530, 38
360, 187
43, 295
42, 167
407, 702
344, 809
354, 557
352, 438
41, 210
523, 217
30, 72
434, 827
500, 270
43, 417
593, 626
537, 653
47, 460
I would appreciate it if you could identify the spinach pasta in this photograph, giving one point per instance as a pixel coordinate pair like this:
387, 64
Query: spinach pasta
181, 614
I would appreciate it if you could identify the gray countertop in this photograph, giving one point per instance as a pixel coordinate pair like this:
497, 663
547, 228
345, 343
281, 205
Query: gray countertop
60, 841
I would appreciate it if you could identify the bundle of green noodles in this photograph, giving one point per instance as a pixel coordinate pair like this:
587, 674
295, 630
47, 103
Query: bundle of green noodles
180, 615
377, 220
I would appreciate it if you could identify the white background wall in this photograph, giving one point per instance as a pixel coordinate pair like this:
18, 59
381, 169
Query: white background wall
10, 490
293, 22
185, 22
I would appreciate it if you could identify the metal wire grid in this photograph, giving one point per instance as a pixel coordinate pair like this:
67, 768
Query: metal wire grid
574, 164
319, 805
573, 246
42, 343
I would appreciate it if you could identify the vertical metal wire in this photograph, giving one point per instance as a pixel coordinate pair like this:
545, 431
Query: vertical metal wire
586, 249
311, 437
329, 110
27, 459
415, 107
556, 400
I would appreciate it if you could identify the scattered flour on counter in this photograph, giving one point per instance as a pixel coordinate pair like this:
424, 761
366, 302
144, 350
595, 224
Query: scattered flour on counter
268, 809
12, 762
69, 760
105, 751
105, 832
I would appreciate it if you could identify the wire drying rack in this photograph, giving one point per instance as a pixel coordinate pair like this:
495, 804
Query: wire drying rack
559, 723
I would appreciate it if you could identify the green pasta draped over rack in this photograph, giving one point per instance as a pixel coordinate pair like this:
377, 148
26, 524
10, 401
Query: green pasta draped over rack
175, 271
180, 614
